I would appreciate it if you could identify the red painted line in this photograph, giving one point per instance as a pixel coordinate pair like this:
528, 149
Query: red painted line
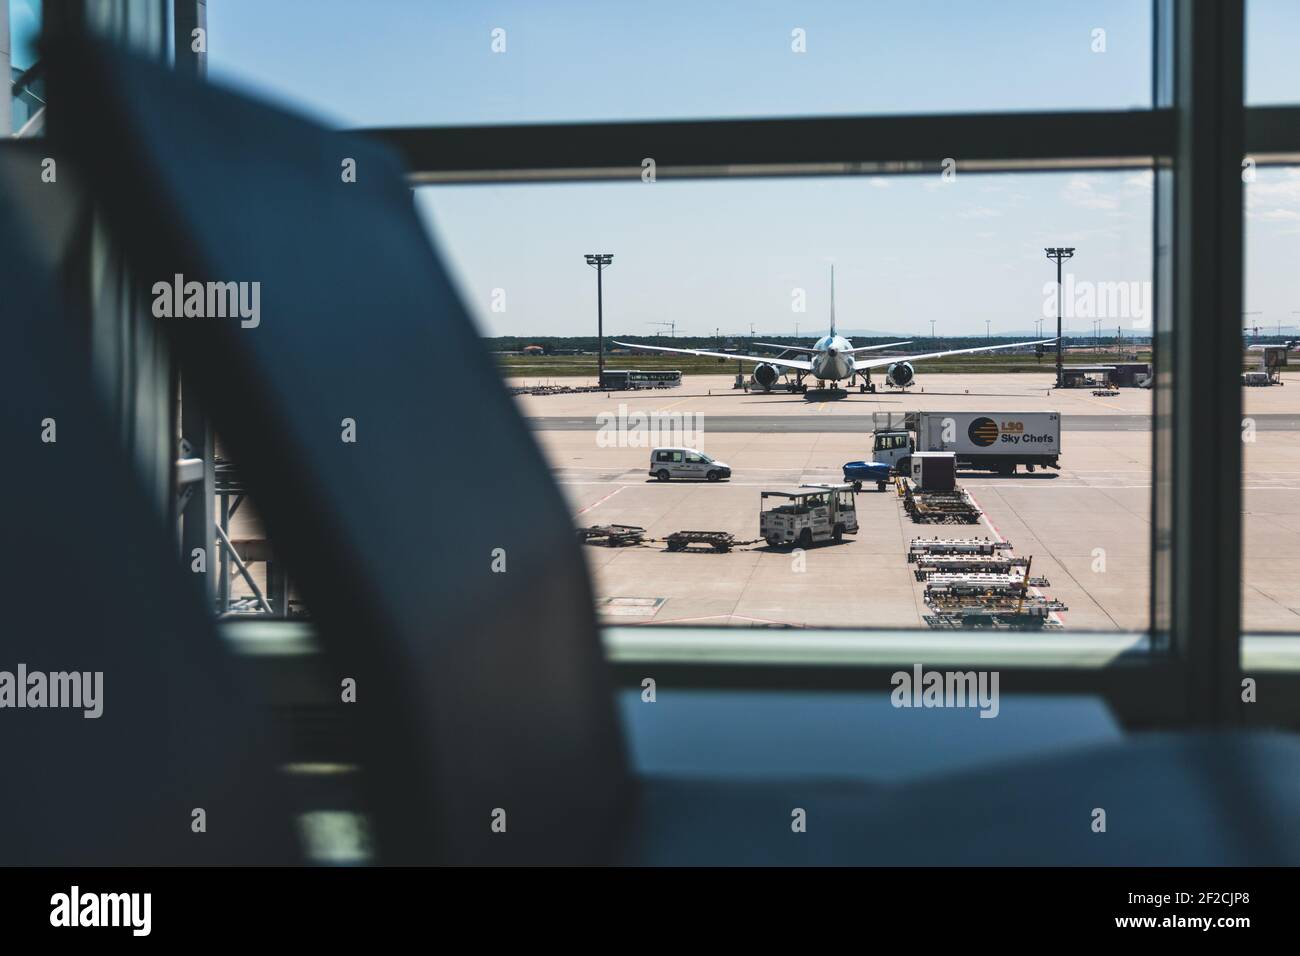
984, 516
601, 501
1060, 615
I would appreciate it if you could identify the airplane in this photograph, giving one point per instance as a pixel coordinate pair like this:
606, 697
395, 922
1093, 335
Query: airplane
833, 359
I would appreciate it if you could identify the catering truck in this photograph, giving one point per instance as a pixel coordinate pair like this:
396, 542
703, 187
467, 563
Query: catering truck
989, 441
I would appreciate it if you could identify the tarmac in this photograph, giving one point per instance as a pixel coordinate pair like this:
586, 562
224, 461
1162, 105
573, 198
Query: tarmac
1087, 526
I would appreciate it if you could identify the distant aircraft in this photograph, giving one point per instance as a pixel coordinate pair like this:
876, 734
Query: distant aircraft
833, 359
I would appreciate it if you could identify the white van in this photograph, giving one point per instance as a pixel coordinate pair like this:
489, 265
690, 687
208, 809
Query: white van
666, 463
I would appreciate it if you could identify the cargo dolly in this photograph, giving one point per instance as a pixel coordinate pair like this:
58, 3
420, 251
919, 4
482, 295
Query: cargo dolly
978, 582
719, 541
974, 585
628, 536
938, 547
1035, 616
612, 535
928, 566
939, 507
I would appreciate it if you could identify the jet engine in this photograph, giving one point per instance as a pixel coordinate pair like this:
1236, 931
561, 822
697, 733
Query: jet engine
766, 375
900, 374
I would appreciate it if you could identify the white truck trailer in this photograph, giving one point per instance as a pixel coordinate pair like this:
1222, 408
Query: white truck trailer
990, 441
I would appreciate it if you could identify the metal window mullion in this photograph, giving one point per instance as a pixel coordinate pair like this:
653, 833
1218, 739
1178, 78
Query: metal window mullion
188, 16
1273, 133
853, 145
198, 517
1203, 472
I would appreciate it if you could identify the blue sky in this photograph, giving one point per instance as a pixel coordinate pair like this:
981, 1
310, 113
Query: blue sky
403, 61
724, 254
24, 30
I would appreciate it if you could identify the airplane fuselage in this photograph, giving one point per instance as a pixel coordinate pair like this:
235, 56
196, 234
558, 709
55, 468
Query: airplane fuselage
832, 361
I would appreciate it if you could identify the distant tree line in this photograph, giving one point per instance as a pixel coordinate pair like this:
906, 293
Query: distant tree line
571, 344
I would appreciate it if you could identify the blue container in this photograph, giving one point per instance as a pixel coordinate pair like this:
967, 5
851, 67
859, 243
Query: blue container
859, 472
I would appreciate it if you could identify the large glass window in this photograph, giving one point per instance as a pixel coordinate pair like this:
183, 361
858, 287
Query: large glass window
922, 264
730, 265
407, 64
1270, 582
1272, 29
27, 99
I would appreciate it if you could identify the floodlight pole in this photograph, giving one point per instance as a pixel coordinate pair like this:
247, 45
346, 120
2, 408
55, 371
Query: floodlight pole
1059, 255
598, 261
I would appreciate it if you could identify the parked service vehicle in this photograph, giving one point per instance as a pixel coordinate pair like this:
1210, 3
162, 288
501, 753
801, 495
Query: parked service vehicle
859, 472
667, 463
993, 441
807, 514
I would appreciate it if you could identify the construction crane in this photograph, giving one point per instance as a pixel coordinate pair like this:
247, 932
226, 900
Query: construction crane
671, 326
1252, 328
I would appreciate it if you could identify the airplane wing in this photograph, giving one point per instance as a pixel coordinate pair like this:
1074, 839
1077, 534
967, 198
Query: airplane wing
877, 363
872, 348
800, 348
798, 364
788, 348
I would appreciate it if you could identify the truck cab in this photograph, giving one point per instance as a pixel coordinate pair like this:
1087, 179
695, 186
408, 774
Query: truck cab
807, 514
893, 447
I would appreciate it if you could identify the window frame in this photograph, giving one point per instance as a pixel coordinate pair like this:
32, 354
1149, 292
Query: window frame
1194, 136
1187, 667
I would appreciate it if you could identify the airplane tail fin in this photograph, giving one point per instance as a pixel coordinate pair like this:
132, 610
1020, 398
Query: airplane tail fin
832, 301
